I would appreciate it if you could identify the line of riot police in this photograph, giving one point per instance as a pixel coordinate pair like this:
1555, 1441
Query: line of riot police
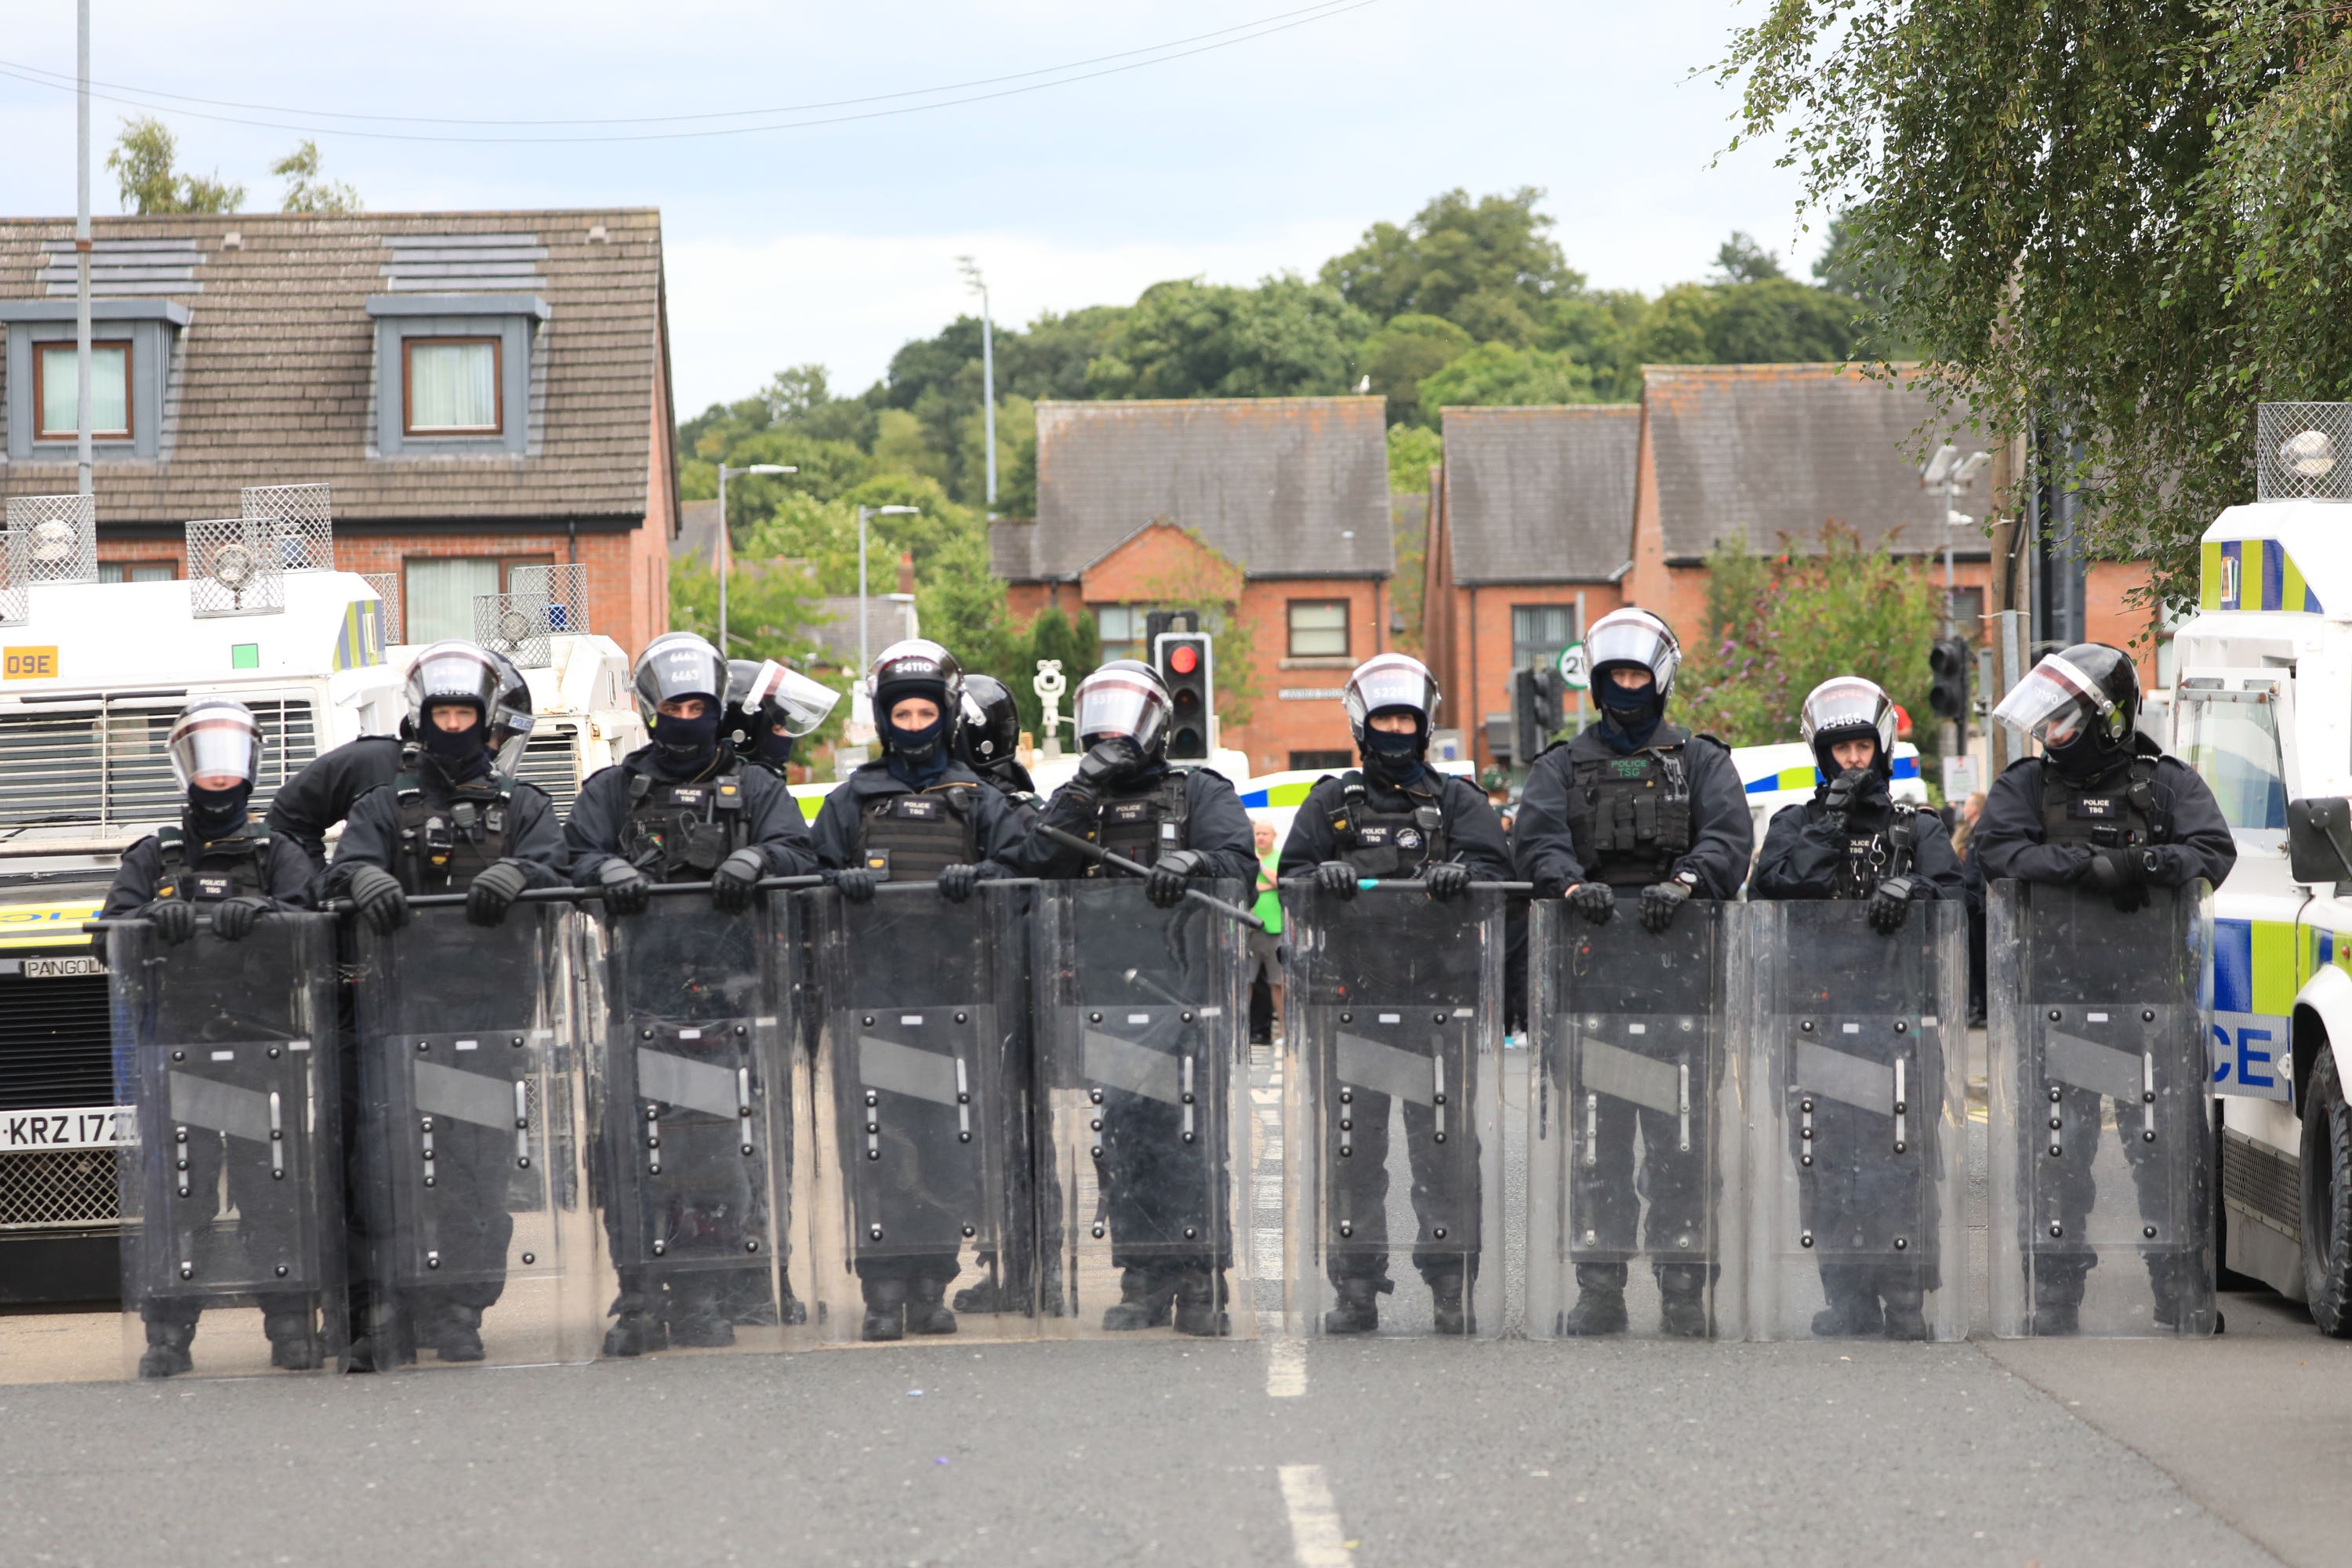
979, 1073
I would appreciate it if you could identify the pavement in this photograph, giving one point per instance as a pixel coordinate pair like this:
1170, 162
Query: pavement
1316, 1452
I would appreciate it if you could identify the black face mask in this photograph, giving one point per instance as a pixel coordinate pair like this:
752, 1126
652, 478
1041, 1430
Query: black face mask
1392, 757
687, 742
216, 813
2084, 757
1625, 702
772, 747
460, 753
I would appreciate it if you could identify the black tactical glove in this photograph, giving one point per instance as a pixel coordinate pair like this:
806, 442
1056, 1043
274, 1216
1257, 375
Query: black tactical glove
626, 890
375, 892
1165, 886
736, 878
494, 891
854, 883
1596, 901
1336, 878
957, 881
1889, 904
1447, 879
175, 919
2122, 875
1110, 762
1659, 902
1837, 801
233, 918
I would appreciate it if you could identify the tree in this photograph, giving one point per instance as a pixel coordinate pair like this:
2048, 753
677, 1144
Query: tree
2121, 227
771, 607
1486, 266
1285, 338
1405, 351
143, 160
1413, 450
1740, 259
305, 192
1778, 320
1499, 375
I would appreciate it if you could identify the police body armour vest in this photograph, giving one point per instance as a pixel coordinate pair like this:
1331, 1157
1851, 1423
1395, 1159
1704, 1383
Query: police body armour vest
680, 832
1630, 817
217, 868
1873, 857
912, 838
1392, 842
2122, 812
1144, 826
445, 844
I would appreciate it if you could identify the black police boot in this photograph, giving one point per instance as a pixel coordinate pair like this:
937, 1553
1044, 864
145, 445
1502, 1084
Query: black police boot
457, 1336
1682, 1302
927, 1308
167, 1349
1452, 1313
1201, 1303
381, 1339
2057, 1300
750, 1300
1146, 1299
293, 1342
1358, 1307
1907, 1316
886, 1309
1853, 1310
696, 1319
1600, 1302
987, 1297
638, 1332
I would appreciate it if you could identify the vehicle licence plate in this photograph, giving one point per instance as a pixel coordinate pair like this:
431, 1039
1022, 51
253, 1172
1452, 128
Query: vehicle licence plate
76, 1127
58, 968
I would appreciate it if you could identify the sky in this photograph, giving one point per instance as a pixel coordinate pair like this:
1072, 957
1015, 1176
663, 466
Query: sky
1226, 138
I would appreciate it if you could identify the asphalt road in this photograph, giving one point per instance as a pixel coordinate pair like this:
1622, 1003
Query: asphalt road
1276, 1451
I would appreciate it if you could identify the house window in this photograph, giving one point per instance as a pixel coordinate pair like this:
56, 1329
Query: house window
1538, 632
1122, 628
437, 592
1318, 628
136, 572
1310, 762
1968, 615
450, 387
57, 391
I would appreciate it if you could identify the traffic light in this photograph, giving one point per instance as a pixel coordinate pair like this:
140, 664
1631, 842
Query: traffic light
1157, 621
1947, 668
1183, 661
1536, 711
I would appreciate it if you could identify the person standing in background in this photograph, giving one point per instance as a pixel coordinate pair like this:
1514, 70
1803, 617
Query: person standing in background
1265, 946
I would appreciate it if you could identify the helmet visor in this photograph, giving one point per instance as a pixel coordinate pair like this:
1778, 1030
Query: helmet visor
790, 699
679, 666
453, 672
1117, 703
1842, 708
2054, 703
214, 742
1391, 683
1633, 641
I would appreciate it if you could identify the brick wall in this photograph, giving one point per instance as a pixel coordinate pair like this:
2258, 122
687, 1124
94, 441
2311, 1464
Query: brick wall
1480, 626
1280, 725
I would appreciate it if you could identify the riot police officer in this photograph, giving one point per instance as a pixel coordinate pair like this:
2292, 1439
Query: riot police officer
1853, 840
1635, 803
683, 808
1395, 817
1179, 824
2103, 808
213, 862
768, 708
455, 820
989, 740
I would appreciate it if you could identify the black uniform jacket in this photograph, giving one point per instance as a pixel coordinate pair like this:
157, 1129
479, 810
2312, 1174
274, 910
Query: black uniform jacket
771, 818
330, 783
2009, 839
287, 872
998, 831
1214, 824
1722, 838
372, 835
1473, 833
1802, 857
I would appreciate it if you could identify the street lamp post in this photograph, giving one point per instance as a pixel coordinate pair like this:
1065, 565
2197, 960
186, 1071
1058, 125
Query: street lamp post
864, 659
726, 553
987, 376
1953, 473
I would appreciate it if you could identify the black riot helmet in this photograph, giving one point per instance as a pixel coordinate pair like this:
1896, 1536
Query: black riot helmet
1390, 682
1125, 696
1848, 707
457, 671
2082, 704
675, 666
991, 724
916, 668
763, 696
1632, 638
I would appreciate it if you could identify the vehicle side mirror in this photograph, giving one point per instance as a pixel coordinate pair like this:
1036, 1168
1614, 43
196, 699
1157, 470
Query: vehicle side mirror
2319, 839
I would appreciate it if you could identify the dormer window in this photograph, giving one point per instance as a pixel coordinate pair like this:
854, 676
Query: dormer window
451, 386
56, 390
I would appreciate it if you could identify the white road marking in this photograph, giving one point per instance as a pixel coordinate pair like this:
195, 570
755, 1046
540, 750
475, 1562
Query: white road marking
1316, 1539
1285, 1367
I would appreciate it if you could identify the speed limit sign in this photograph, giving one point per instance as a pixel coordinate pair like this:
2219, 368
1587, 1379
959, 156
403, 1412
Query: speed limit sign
1574, 669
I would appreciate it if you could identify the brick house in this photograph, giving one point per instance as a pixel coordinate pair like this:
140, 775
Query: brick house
1533, 524
1273, 510
481, 390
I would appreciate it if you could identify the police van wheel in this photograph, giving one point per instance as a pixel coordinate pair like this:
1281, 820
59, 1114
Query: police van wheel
2328, 1199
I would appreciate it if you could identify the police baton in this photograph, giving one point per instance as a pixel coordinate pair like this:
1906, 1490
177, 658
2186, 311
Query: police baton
1137, 868
582, 895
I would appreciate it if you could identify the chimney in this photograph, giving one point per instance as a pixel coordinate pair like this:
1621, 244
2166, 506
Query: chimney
906, 572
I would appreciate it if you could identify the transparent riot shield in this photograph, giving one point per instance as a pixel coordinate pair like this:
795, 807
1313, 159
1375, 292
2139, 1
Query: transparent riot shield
1144, 1153
1394, 1097
481, 1248
233, 1200
2102, 1154
1633, 1140
692, 1117
1856, 1047
916, 1195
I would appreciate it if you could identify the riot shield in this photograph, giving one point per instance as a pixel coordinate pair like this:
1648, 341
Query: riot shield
480, 1247
2102, 1152
1856, 1065
233, 1201
692, 1116
1144, 1150
917, 1200
1634, 1217
1394, 1099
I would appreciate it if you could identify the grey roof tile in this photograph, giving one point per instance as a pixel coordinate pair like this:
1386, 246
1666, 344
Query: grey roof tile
1540, 495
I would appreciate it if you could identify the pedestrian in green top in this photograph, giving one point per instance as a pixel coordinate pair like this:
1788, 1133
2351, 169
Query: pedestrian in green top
1265, 946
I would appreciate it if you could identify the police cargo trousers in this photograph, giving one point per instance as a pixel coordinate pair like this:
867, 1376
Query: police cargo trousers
1608, 1198
1865, 1209
211, 1251
1445, 1194
2061, 1263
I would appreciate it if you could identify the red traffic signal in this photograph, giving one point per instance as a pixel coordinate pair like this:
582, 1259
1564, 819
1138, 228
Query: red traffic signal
1183, 658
